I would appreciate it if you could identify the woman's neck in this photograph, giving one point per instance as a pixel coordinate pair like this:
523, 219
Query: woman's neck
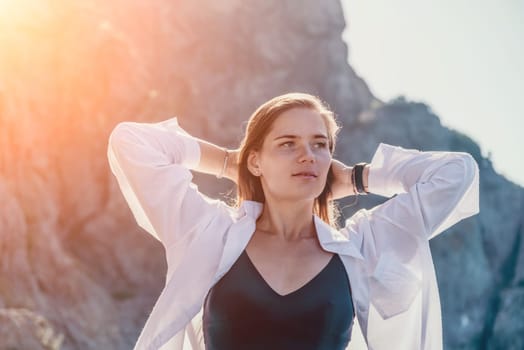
289, 221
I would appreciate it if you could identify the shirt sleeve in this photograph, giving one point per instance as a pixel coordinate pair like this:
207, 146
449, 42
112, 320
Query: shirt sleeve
151, 162
434, 190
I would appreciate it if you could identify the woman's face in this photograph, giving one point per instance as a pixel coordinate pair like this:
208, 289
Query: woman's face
294, 160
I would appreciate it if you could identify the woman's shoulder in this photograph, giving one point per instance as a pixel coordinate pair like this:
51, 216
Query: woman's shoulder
372, 231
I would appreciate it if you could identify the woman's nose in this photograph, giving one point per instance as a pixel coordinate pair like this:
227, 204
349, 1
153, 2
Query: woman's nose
307, 154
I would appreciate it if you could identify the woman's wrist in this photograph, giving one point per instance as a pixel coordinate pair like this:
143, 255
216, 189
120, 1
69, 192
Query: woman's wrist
350, 180
212, 159
231, 171
224, 168
344, 183
359, 178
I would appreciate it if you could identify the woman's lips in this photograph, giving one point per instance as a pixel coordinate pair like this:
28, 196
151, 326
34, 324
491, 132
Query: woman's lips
305, 175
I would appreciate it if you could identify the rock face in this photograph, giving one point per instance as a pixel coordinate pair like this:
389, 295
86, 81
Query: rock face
76, 272
476, 260
23, 329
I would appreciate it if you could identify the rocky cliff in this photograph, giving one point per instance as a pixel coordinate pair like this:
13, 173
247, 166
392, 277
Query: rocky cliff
76, 272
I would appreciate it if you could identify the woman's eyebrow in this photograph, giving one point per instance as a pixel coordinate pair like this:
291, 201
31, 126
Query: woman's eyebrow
316, 136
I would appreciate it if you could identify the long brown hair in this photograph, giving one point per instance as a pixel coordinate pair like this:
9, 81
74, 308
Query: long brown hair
259, 125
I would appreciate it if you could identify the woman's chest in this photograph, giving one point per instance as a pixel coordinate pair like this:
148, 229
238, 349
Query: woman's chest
242, 302
286, 266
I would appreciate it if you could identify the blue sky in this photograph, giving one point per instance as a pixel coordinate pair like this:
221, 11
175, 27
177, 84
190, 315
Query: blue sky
463, 58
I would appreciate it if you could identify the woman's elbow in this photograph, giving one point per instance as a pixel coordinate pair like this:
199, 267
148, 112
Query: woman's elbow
463, 180
470, 170
457, 177
120, 133
471, 184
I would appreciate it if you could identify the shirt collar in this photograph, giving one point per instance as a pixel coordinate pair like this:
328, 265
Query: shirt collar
330, 239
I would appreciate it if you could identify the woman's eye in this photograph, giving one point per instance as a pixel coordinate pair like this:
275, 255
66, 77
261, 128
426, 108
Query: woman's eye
287, 144
321, 144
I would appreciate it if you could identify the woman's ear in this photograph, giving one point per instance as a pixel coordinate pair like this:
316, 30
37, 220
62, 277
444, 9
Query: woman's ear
253, 163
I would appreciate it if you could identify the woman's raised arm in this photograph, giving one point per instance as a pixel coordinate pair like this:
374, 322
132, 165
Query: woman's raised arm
151, 162
434, 190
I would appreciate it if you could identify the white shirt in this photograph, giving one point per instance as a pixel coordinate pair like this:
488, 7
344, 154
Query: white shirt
385, 250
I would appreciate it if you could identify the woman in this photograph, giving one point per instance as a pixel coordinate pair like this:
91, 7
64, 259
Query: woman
274, 272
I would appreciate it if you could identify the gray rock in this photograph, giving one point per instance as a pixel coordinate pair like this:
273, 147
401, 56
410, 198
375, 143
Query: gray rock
24, 329
508, 330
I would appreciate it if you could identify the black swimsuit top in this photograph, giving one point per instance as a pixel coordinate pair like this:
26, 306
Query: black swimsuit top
242, 311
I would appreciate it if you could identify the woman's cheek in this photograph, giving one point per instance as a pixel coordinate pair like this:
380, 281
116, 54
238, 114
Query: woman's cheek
325, 158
